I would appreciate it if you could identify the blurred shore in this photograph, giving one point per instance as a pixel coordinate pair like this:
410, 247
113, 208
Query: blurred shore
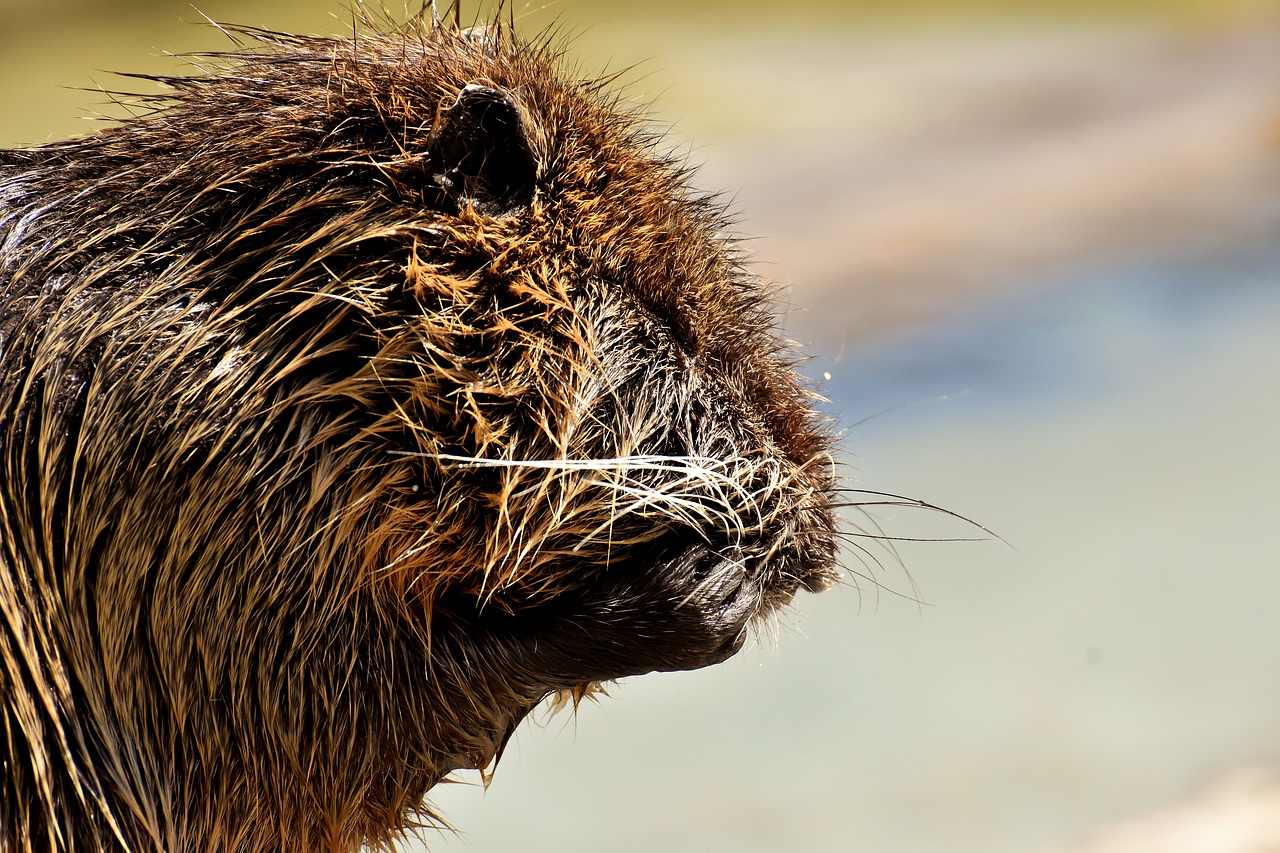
941, 172
894, 173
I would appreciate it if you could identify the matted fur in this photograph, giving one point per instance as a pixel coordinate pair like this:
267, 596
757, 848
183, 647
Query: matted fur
353, 399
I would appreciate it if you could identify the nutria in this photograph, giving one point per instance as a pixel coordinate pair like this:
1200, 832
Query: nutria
354, 398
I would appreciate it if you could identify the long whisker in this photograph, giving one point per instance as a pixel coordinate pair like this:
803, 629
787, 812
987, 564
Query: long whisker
882, 537
891, 499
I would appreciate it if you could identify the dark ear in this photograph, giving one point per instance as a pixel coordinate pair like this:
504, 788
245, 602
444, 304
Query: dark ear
480, 152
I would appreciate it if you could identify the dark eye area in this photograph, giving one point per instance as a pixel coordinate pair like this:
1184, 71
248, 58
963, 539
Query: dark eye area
673, 322
683, 330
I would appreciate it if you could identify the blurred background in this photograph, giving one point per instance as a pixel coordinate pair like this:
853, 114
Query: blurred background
1031, 248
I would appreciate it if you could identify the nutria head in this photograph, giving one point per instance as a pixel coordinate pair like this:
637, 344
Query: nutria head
354, 399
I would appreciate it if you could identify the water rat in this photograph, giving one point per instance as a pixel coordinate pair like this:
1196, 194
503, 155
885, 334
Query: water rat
355, 397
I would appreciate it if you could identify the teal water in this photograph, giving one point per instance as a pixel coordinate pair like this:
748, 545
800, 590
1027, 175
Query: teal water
1098, 331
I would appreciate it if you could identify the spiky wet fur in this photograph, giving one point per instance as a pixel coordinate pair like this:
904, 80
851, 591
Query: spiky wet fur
314, 480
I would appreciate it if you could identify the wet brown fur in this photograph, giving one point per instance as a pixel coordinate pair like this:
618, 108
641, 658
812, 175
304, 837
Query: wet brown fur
322, 463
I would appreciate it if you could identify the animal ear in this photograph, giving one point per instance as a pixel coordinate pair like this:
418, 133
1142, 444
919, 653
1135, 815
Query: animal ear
480, 152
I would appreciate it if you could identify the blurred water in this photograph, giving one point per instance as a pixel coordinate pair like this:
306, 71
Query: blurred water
1092, 333
1118, 426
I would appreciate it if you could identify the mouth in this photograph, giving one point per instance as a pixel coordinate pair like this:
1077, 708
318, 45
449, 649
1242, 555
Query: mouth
678, 603
730, 590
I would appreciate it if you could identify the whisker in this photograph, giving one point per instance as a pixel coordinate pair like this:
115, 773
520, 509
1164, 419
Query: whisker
892, 499
884, 537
